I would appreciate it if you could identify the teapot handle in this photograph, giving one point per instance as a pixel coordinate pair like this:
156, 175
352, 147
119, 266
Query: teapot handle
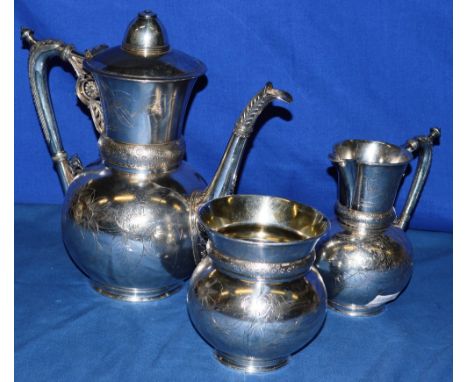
86, 90
423, 144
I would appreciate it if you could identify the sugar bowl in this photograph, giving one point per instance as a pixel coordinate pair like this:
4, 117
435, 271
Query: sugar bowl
256, 298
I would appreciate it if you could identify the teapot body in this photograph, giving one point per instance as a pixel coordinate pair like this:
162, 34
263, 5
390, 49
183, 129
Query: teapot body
130, 232
364, 270
129, 221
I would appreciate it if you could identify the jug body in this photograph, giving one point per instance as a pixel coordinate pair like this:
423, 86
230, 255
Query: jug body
364, 269
366, 261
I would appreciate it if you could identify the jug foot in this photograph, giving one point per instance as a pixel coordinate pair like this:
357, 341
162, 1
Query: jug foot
356, 310
250, 364
134, 294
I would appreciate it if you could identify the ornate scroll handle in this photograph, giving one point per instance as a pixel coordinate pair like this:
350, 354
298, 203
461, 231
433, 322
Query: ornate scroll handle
245, 123
423, 144
86, 90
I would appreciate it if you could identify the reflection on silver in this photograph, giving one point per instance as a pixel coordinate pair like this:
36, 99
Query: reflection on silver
256, 298
128, 221
366, 262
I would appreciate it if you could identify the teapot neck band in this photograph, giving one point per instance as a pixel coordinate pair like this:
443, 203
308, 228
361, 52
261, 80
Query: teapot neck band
161, 157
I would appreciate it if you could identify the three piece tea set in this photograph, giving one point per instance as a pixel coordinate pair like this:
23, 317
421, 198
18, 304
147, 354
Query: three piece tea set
141, 221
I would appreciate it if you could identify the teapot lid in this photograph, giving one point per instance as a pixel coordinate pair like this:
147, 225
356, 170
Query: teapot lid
145, 54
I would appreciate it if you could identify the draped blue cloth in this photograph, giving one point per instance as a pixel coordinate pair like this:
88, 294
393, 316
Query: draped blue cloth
362, 69
64, 331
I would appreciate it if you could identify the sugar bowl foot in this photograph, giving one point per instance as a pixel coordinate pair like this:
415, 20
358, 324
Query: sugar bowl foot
250, 365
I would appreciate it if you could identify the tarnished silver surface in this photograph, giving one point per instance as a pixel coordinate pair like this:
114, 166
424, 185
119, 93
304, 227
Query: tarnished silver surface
128, 221
256, 299
366, 261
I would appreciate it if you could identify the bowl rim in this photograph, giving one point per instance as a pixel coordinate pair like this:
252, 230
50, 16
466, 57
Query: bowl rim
324, 219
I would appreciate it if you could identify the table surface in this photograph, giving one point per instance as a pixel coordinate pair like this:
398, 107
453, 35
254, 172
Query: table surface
64, 331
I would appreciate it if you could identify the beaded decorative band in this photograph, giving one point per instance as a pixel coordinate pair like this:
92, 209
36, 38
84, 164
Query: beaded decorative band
275, 271
356, 219
155, 157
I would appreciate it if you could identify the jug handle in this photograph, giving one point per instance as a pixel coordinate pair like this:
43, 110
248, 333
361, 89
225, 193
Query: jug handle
86, 90
423, 145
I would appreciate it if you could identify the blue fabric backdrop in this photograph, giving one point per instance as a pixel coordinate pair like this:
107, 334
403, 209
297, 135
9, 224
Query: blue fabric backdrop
64, 331
362, 69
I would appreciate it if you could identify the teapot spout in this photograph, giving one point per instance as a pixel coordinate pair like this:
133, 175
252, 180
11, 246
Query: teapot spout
225, 178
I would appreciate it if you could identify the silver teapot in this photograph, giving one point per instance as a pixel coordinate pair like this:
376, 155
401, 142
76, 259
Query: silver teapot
256, 297
128, 220
367, 260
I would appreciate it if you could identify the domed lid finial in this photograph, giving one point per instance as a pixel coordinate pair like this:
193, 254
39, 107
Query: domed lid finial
145, 36
144, 55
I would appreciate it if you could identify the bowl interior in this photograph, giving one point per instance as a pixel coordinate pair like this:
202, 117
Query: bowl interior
266, 219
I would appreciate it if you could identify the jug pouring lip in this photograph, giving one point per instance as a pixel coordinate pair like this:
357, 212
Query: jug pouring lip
370, 153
